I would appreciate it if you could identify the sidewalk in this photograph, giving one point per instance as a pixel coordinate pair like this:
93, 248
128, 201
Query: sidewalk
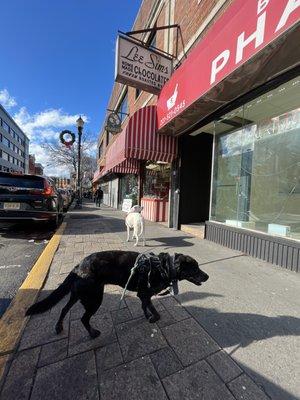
235, 337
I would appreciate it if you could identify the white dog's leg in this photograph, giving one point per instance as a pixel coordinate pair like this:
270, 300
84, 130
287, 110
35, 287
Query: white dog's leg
143, 233
135, 234
128, 233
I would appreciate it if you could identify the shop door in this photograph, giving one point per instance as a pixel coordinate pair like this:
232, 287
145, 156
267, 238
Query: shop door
195, 174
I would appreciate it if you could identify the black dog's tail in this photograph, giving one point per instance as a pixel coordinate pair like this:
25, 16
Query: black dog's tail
53, 297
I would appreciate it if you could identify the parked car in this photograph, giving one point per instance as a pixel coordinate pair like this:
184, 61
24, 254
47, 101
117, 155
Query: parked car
66, 198
29, 197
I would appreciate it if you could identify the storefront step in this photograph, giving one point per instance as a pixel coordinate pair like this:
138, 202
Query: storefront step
195, 229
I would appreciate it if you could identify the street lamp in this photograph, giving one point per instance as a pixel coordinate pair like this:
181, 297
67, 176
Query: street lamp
80, 123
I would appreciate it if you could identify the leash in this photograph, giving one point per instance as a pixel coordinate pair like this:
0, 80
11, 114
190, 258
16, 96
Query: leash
174, 280
173, 290
132, 271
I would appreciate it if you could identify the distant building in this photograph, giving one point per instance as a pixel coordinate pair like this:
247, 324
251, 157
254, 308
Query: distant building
39, 169
31, 168
61, 182
35, 168
14, 145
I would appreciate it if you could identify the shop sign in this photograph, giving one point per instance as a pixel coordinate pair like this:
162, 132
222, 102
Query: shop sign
284, 123
126, 205
113, 123
140, 66
245, 28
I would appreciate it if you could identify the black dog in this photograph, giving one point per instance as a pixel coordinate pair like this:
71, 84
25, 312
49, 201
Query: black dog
87, 280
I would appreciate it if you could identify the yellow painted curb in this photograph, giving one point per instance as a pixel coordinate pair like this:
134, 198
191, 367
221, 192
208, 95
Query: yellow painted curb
13, 321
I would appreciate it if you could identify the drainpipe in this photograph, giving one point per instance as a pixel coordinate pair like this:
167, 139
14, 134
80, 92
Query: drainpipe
141, 180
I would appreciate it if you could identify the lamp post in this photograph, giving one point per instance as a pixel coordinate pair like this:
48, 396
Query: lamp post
80, 124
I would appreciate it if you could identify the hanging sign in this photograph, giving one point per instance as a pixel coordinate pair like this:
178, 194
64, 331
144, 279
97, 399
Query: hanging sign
140, 66
113, 123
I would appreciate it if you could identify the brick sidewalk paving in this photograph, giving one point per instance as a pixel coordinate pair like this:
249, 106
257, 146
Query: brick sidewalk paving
132, 359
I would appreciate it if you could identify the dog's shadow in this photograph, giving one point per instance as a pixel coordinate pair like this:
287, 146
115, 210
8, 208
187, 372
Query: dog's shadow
231, 329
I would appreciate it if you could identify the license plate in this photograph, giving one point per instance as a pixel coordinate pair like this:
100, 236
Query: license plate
11, 206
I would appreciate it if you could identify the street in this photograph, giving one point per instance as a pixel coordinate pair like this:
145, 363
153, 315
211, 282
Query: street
20, 246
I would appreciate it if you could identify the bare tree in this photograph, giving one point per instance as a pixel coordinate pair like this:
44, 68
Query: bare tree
62, 156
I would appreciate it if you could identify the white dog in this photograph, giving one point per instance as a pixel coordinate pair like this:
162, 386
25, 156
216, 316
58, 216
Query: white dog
134, 220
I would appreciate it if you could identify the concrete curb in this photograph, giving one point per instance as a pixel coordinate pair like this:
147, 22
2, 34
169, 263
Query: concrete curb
13, 320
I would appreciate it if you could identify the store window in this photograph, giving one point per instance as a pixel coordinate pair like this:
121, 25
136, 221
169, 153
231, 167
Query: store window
128, 189
157, 180
257, 164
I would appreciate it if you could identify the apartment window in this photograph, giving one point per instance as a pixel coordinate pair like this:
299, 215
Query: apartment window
5, 156
100, 150
152, 39
5, 141
137, 93
5, 126
123, 106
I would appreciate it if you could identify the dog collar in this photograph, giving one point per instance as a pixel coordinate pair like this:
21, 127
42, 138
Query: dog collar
173, 276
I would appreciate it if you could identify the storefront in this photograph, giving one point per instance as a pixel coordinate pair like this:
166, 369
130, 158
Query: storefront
235, 104
156, 189
143, 159
128, 189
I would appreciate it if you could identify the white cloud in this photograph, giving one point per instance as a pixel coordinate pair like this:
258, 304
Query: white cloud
6, 99
44, 126
92, 150
44, 120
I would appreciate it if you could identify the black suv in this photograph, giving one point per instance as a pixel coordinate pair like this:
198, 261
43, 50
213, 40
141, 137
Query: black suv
29, 197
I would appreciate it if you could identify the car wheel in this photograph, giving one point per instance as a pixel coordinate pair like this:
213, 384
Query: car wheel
54, 223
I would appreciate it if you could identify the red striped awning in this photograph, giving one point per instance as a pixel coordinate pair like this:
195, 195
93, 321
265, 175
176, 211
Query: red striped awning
128, 166
97, 175
140, 141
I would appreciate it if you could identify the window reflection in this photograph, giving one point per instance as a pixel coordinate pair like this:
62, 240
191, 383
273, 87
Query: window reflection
257, 164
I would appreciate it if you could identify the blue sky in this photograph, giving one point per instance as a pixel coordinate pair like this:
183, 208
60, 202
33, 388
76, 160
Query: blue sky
57, 61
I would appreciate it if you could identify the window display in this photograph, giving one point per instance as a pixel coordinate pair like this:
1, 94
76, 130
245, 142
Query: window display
157, 180
128, 189
257, 164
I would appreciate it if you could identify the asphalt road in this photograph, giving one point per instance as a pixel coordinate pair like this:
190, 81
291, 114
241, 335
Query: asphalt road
20, 246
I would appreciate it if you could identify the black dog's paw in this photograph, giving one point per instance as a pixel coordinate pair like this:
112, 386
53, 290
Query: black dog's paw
59, 328
94, 333
154, 318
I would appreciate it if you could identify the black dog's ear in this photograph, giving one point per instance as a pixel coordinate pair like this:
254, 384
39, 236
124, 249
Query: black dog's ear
179, 257
182, 258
